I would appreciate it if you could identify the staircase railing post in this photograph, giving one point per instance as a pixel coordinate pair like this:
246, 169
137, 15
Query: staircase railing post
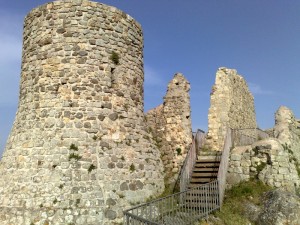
206, 204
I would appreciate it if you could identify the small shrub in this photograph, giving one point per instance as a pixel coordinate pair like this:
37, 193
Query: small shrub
92, 167
54, 166
115, 58
74, 156
260, 167
132, 168
61, 186
73, 147
95, 138
122, 158
55, 201
178, 150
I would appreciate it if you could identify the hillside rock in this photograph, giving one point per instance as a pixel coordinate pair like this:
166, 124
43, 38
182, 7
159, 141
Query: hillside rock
280, 208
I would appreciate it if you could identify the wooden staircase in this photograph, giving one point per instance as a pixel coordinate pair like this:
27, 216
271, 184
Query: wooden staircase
206, 168
201, 192
205, 171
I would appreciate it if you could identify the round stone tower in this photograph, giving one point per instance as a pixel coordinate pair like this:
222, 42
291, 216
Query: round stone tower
78, 152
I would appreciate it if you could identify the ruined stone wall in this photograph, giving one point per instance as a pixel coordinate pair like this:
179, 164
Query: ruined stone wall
274, 161
156, 123
231, 105
287, 129
298, 127
170, 124
269, 161
79, 152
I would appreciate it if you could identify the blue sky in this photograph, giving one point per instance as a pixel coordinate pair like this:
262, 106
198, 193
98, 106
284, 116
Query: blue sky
261, 39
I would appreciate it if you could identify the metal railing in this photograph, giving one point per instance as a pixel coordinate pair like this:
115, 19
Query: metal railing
188, 206
190, 160
224, 164
183, 208
248, 136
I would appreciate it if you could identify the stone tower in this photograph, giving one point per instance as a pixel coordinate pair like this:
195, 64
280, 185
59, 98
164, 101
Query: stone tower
78, 152
171, 127
231, 106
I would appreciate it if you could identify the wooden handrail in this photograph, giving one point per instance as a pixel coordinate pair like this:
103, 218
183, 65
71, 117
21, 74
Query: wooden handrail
190, 160
224, 165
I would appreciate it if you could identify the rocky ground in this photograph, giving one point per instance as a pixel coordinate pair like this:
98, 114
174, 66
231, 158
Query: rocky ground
255, 203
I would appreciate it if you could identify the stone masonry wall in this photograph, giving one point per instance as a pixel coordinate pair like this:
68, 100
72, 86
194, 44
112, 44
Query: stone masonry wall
79, 151
170, 124
231, 105
157, 124
287, 130
268, 160
274, 161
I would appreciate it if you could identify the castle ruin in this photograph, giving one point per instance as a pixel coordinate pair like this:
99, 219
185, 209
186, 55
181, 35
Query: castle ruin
231, 106
79, 151
170, 124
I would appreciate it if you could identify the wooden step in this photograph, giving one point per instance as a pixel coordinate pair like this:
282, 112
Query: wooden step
203, 191
205, 169
209, 153
205, 174
207, 161
201, 195
208, 164
202, 205
201, 180
197, 184
203, 200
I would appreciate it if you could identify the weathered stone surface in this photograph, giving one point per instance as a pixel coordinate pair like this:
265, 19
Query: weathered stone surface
268, 160
287, 130
280, 208
251, 211
275, 161
231, 106
170, 125
68, 158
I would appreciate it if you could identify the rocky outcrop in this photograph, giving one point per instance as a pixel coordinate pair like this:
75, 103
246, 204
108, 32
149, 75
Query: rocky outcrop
170, 124
275, 207
279, 208
231, 106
